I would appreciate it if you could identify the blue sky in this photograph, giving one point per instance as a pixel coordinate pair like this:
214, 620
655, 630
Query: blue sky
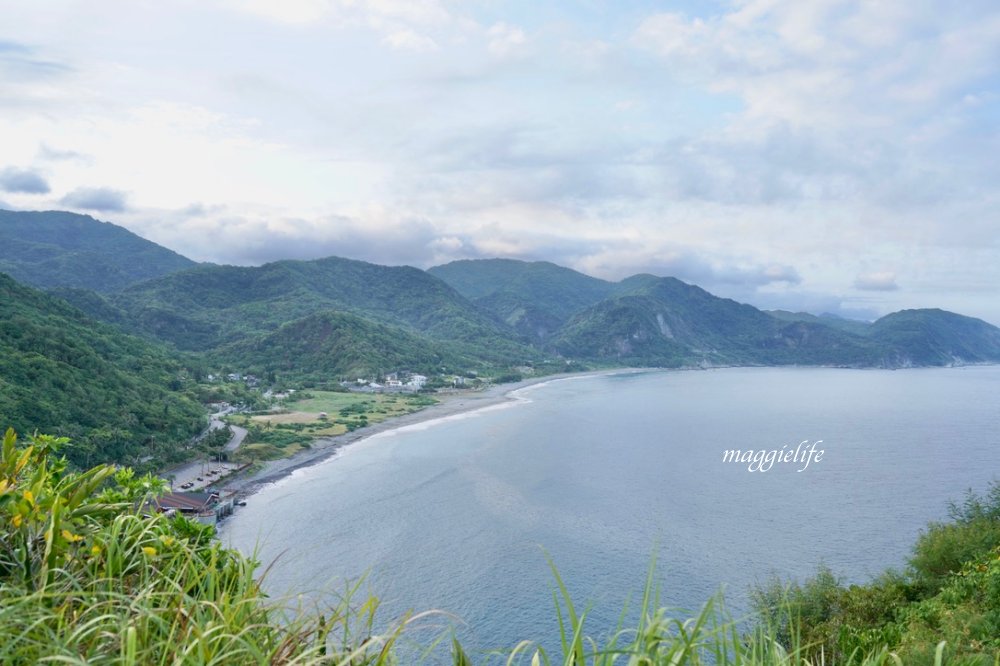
824, 156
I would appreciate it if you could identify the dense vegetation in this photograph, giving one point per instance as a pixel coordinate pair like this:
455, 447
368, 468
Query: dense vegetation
645, 320
211, 306
86, 576
492, 315
667, 322
58, 249
335, 344
120, 398
937, 337
534, 298
89, 573
949, 592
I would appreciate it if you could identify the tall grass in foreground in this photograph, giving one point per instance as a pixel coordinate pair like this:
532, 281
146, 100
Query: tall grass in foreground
90, 575
710, 637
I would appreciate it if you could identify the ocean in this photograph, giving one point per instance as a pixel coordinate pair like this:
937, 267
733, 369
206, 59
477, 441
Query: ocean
603, 475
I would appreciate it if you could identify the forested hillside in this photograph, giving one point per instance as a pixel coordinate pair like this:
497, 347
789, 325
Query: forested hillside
210, 306
335, 344
119, 397
58, 249
339, 317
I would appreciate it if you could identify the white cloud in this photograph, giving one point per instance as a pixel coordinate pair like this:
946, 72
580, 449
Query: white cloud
408, 40
772, 149
879, 281
829, 63
505, 39
286, 11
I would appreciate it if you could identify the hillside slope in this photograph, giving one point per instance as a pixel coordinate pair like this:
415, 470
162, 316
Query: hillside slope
210, 306
534, 298
937, 337
60, 249
486, 313
117, 396
667, 322
329, 345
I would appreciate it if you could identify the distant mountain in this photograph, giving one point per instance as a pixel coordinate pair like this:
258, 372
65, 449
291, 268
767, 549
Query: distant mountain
937, 337
119, 397
59, 249
649, 320
664, 321
833, 321
534, 298
329, 345
210, 306
344, 316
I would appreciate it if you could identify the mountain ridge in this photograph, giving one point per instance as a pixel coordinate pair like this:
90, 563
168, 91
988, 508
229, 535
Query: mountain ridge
48, 249
500, 313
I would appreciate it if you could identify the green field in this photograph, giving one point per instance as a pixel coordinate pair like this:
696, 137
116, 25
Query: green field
319, 414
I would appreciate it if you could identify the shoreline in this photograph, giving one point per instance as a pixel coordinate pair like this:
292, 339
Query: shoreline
450, 404
241, 485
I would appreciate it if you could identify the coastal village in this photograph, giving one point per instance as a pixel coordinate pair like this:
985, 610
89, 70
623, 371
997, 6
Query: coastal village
254, 425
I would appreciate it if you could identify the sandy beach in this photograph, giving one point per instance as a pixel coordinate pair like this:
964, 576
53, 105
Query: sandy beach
449, 404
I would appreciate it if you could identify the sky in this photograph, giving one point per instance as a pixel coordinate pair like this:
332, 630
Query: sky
824, 156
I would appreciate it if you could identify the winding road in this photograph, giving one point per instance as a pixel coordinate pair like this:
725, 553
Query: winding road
239, 434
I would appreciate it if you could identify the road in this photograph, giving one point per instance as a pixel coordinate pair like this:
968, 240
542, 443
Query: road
239, 434
203, 473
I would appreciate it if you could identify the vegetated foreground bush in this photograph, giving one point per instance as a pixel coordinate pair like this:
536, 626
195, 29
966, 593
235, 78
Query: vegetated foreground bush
949, 592
90, 574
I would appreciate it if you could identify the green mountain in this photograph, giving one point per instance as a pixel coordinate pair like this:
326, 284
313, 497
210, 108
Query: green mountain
667, 322
59, 249
120, 398
341, 317
937, 337
533, 298
833, 321
648, 320
329, 345
210, 306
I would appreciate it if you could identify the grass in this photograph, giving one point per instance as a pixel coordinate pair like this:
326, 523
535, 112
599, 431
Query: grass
378, 406
289, 417
282, 434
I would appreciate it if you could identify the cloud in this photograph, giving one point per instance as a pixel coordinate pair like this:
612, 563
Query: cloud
18, 61
212, 233
287, 11
761, 148
102, 199
833, 63
50, 154
880, 281
23, 181
505, 39
410, 40
401, 24
199, 209
691, 266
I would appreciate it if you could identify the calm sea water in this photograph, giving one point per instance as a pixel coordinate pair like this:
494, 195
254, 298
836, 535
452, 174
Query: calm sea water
604, 473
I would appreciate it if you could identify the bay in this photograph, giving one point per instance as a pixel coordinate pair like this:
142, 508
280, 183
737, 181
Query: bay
602, 474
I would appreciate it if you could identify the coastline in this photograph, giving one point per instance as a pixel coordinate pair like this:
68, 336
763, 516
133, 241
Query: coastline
450, 404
